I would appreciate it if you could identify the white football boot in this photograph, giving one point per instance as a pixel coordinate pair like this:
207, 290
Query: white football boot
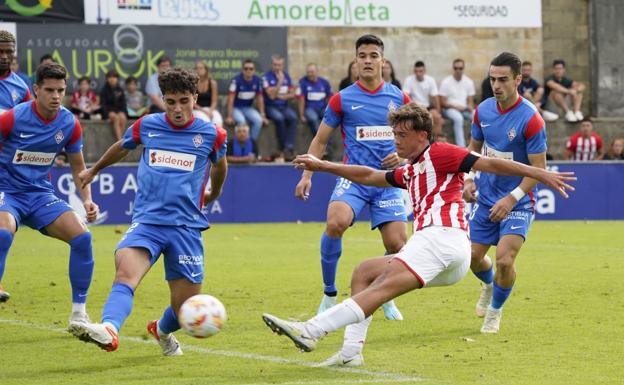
292, 329
169, 344
326, 303
491, 323
391, 311
484, 300
338, 360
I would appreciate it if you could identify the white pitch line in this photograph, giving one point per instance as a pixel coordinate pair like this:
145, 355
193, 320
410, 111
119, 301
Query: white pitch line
386, 376
371, 381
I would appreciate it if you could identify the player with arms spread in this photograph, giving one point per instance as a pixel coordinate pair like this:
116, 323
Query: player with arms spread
361, 109
178, 151
437, 254
31, 136
506, 126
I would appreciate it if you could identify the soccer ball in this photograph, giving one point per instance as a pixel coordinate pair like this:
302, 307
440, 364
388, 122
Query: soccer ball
202, 316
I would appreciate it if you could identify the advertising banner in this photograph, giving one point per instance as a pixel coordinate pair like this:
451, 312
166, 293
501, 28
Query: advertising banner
92, 50
44, 11
356, 13
266, 194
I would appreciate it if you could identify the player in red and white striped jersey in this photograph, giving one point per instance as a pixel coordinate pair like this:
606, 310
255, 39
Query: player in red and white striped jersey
585, 144
437, 254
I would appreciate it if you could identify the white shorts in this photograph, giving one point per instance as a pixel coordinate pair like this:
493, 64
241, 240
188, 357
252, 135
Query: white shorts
437, 256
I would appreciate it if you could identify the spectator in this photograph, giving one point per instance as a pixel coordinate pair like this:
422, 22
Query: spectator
244, 88
134, 98
114, 106
352, 76
457, 98
313, 93
616, 150
84, 101
22, 75
387, 72
422, 89
154, 96
486, 89
278, 90
44, 59
531, 90
207, 94
242, 148
558, 88
585, 144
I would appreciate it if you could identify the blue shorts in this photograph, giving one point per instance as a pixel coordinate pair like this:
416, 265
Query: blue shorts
386, 204
486, 232
182, 247
35, 209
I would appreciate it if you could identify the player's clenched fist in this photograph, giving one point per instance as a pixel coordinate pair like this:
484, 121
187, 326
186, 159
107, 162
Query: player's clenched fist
470, 190
92, 210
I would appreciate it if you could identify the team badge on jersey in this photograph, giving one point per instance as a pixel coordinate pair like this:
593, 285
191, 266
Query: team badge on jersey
59, 137
1, 198
392, 106
511, 134
198, 140
14, 95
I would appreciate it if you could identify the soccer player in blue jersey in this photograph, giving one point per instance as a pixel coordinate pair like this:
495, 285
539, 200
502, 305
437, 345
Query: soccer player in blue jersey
31, 135
505, 126
361, 110
178, 151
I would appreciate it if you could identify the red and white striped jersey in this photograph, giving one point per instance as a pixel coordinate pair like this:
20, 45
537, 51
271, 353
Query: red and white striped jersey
584, 148
435, 182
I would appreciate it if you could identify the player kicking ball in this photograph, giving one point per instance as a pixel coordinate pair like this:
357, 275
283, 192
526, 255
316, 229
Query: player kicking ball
437, 254
178, 151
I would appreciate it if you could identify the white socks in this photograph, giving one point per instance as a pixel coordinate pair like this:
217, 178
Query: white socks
79, 308
354, 337
346, 313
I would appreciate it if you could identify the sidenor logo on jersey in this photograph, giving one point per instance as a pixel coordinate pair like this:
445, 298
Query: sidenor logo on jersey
34, 158
171, 159
374, 133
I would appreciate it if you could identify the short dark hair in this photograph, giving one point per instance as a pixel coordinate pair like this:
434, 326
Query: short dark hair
112, 74
50, 71
419, 64
508, 59
527, 63
84, 79
163, 59
45, 57
178, 80
558, 61
131, 79
416, 116
369, 39
586, 119
459, 60
249, 61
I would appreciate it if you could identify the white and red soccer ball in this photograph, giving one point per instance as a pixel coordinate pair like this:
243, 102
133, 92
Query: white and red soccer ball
202, 316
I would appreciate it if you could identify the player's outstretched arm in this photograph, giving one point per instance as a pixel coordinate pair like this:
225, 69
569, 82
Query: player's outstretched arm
77, 164
555, 180
470, 188
358, 174
218, 172
316, 149
114, 154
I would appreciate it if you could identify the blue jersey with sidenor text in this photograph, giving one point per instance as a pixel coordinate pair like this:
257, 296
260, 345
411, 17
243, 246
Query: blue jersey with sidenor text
513, 134
173, 169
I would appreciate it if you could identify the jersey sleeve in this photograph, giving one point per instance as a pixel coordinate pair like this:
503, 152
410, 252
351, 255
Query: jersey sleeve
535, 134
451, 159
395, 177
232, 87
75, 141
27, 96
333, 112
219, 148
132, 137
6, 123
475, 131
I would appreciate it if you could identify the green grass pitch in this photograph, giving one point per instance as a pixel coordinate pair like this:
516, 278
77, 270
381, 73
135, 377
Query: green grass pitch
562, 325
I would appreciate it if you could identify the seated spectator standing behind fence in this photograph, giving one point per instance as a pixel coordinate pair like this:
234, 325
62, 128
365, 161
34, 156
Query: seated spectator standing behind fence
278, 90
585, 144
152, 90
531, 90
242, 148
558, 88
20, 74
616, 150
84, 101
134, 99
352, 76
313, 93
457, 97
423, 90
387, 72
244, 88
114, 106
208, 91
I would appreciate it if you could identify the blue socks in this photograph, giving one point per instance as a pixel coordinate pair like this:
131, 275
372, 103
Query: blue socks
6, 238
168, 323
486, 276
499, 296
119, 305
331, 248
80, 266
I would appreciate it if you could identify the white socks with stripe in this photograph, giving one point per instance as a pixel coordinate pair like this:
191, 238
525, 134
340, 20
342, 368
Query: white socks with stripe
346, 313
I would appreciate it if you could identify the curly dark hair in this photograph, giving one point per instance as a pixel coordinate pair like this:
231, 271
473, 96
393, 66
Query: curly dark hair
50, 71
178, 80
416, 116
6, 37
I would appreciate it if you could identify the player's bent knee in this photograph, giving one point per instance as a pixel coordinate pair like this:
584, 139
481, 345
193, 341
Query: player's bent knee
336, 227
505, 265
81, 242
